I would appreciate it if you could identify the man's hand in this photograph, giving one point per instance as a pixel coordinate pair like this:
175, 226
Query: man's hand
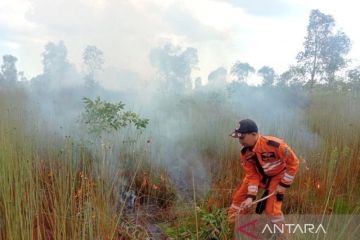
280, 189
246, 203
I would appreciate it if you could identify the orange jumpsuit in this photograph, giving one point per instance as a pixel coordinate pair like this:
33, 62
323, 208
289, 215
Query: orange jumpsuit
269, 163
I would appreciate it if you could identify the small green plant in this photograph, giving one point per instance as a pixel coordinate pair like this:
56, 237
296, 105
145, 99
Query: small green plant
101, 116
213, 224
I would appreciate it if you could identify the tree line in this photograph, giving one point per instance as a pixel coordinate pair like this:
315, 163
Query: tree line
322, 63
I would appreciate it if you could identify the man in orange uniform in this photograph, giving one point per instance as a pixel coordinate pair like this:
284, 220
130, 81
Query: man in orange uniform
269, 163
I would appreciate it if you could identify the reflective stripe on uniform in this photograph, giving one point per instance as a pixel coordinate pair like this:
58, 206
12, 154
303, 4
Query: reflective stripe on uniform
273, 165
288, 177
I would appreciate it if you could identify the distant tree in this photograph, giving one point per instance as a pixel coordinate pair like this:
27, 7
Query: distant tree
242, 71
93, 60
354, 78
324, 51
217, 78
57, 70
268, 75
175, 66
55, 61
337, 47
9, 74
294, 76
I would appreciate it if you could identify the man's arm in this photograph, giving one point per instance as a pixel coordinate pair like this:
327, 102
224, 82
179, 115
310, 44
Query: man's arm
292, 165
251, 183
253, 178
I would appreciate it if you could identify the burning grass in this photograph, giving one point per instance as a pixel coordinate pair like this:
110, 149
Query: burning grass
55, 187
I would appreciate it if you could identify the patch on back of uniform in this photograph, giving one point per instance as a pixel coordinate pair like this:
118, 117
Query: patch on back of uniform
286, 152
273, 143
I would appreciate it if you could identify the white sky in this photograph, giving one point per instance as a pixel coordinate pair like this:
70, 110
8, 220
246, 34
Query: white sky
260, 32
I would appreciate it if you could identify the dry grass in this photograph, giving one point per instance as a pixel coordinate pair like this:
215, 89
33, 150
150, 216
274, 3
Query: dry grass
55, 188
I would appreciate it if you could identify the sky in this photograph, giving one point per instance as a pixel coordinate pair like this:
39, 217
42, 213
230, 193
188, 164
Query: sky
260, 32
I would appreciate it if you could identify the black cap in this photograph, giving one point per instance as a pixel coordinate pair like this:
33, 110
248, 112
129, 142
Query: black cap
246, 126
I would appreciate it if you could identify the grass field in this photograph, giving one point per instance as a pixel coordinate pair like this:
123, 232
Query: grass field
57, 186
